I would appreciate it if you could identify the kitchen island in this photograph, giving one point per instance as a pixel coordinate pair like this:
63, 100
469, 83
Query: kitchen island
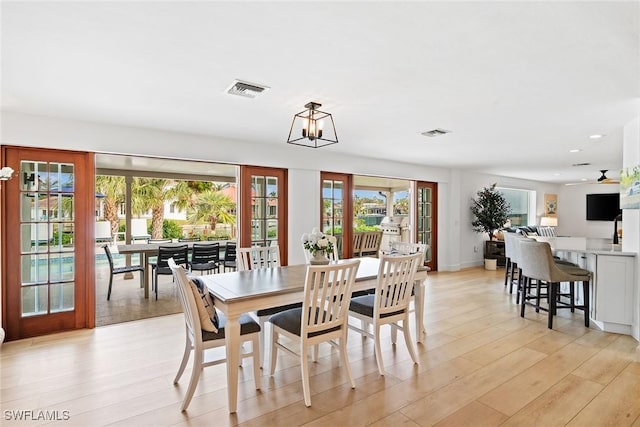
614, 284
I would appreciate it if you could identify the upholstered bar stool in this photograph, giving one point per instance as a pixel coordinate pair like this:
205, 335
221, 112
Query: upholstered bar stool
511, 266
537, 263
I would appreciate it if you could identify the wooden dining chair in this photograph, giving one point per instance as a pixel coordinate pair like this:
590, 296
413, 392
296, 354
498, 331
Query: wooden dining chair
390, 303
258, 258
199, 340
322, 318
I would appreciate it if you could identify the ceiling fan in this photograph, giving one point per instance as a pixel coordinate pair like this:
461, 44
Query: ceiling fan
602, 180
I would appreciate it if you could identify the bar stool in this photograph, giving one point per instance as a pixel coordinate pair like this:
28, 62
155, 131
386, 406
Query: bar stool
537, 263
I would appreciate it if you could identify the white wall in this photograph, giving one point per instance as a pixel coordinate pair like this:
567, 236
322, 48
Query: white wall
572, 202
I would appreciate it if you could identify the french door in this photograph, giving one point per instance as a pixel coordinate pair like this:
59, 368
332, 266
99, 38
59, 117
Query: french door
426, 214
263, 208
336, 210
47, 236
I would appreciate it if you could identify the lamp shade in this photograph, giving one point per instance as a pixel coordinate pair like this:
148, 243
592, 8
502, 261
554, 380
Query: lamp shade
549, 221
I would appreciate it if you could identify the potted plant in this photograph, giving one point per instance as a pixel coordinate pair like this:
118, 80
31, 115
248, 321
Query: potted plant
490, 211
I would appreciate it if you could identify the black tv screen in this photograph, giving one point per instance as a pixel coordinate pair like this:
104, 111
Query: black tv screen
603, 207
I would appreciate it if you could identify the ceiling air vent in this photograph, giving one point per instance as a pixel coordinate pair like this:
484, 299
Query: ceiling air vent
581, 164
435, 132
246, 89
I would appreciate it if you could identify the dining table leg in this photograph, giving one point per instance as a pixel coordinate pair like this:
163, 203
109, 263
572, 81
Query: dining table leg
232, 339
419, 309
144, 259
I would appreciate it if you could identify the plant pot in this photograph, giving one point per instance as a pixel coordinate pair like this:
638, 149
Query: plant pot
490, 264
319, 258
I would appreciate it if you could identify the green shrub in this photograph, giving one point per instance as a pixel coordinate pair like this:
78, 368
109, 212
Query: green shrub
170, 229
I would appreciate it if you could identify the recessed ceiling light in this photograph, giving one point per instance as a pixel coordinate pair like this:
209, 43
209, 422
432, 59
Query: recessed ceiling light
575, 150
557, 174
596, 136
583, 179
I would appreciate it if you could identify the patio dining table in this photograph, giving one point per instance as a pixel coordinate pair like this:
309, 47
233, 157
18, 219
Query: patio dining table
149, 250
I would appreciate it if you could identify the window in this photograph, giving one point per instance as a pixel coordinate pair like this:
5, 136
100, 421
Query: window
522, 204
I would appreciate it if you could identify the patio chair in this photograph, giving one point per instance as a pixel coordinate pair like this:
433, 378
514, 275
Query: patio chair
121, 270
205, 257
180, 255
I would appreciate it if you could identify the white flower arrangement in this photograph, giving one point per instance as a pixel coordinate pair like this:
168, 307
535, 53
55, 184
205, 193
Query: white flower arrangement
318, 241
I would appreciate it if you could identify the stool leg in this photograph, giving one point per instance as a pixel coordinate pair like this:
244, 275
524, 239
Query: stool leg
519, 286
506, 271
523, 290
572, 296
552, 304
585, 303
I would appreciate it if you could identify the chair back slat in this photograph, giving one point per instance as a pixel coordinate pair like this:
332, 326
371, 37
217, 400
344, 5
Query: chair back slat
357, 243
395, 282
187, 299
327, 294
258, 257
371, 241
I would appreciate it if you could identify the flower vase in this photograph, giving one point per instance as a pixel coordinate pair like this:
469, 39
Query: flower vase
319, 258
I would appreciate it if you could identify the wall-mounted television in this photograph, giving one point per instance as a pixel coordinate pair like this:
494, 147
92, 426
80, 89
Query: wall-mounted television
603, 207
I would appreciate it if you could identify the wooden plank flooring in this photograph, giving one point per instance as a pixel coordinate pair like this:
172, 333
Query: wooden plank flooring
480, 365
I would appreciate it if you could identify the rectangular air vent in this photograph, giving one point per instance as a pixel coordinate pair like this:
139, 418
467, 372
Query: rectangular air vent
435, 132
246, 89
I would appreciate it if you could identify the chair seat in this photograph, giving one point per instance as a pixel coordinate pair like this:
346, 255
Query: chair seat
127, 269
291, 321
247, 326
364, 305
204, 266
274, 310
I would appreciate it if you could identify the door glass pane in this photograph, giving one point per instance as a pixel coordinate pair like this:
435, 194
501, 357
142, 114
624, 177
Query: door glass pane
61, 297
424, 219
35, 300
264, 212
47, 236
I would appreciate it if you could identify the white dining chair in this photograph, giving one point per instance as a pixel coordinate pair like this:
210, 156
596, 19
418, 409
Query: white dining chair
258, 258
199, 340
322, 318
390, 303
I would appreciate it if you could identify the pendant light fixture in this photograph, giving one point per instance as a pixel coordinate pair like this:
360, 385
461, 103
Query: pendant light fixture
312, 128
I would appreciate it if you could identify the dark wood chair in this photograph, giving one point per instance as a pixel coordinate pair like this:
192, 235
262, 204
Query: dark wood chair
121, 270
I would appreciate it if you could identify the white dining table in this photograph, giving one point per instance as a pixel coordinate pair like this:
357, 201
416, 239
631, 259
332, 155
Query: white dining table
240, 292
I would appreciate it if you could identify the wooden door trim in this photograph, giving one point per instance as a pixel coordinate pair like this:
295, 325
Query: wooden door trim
83, 315
246, 171
347, 220
434, 215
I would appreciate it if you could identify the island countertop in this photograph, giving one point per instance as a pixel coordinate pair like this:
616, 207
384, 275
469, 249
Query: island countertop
584, 245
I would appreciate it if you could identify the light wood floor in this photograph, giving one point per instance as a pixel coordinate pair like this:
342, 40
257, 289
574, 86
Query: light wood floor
480, 365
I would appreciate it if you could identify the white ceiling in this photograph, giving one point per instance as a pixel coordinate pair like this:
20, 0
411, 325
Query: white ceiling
518, 83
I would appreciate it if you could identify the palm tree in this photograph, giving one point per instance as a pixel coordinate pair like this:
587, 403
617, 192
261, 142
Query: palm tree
112, 187
212, 207
151, 194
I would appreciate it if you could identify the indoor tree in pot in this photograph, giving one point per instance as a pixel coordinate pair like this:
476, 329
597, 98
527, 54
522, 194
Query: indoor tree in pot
490, 211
